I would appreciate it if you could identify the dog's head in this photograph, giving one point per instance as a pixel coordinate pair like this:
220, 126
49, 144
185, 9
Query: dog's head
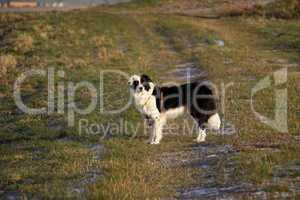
141, 84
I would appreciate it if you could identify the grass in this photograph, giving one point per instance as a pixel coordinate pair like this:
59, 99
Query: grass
132, 173
42, 157
7, 63
44, 167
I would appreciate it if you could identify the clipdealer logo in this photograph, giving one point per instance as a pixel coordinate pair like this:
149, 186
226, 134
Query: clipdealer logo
279, 78
61, 96
70, 108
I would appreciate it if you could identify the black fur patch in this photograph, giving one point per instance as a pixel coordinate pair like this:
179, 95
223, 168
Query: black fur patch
146, 86
135, 84
145, 81
145, 78
197, 97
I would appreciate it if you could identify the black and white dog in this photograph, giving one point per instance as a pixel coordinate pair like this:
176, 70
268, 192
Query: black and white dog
157, 104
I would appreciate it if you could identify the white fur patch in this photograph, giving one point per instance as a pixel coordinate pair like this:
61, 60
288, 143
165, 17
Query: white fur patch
146, 103
214, 122
202, 135
147, 106
174, 112
134, 78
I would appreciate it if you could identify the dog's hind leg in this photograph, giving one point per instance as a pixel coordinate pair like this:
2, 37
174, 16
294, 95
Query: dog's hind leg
201, 135
214, 122
201, 120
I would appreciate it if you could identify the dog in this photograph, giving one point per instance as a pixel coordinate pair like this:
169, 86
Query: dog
158, 104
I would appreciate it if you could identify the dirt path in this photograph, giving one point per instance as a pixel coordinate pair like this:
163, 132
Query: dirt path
215, 11
218, 179
217, 163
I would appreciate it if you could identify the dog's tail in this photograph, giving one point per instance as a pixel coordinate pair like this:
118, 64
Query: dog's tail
214, 122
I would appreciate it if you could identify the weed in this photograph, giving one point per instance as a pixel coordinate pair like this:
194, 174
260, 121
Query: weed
7, 63
23, 43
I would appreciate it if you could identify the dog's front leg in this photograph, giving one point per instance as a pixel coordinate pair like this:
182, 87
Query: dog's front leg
157, 130
153, 131
152, 136
149, 122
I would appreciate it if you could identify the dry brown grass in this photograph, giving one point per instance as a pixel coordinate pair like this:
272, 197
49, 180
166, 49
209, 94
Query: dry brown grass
132, 173
44, 31
105, 54
101, 40
7, 63
283, 9
278, 9
23, 43
105, 49
236, 9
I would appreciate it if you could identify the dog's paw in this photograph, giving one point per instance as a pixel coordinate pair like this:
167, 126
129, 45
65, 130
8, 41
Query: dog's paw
154, 142
199, 140
149, 141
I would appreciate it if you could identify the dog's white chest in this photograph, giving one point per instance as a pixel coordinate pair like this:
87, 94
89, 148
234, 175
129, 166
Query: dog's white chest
147, 106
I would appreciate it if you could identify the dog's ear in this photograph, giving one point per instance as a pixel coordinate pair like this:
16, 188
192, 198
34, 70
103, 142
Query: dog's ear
145, 78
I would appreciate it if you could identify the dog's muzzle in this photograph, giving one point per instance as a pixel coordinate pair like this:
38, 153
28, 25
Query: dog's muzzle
140, 89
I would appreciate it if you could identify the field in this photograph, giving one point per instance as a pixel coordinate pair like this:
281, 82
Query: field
43, 157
